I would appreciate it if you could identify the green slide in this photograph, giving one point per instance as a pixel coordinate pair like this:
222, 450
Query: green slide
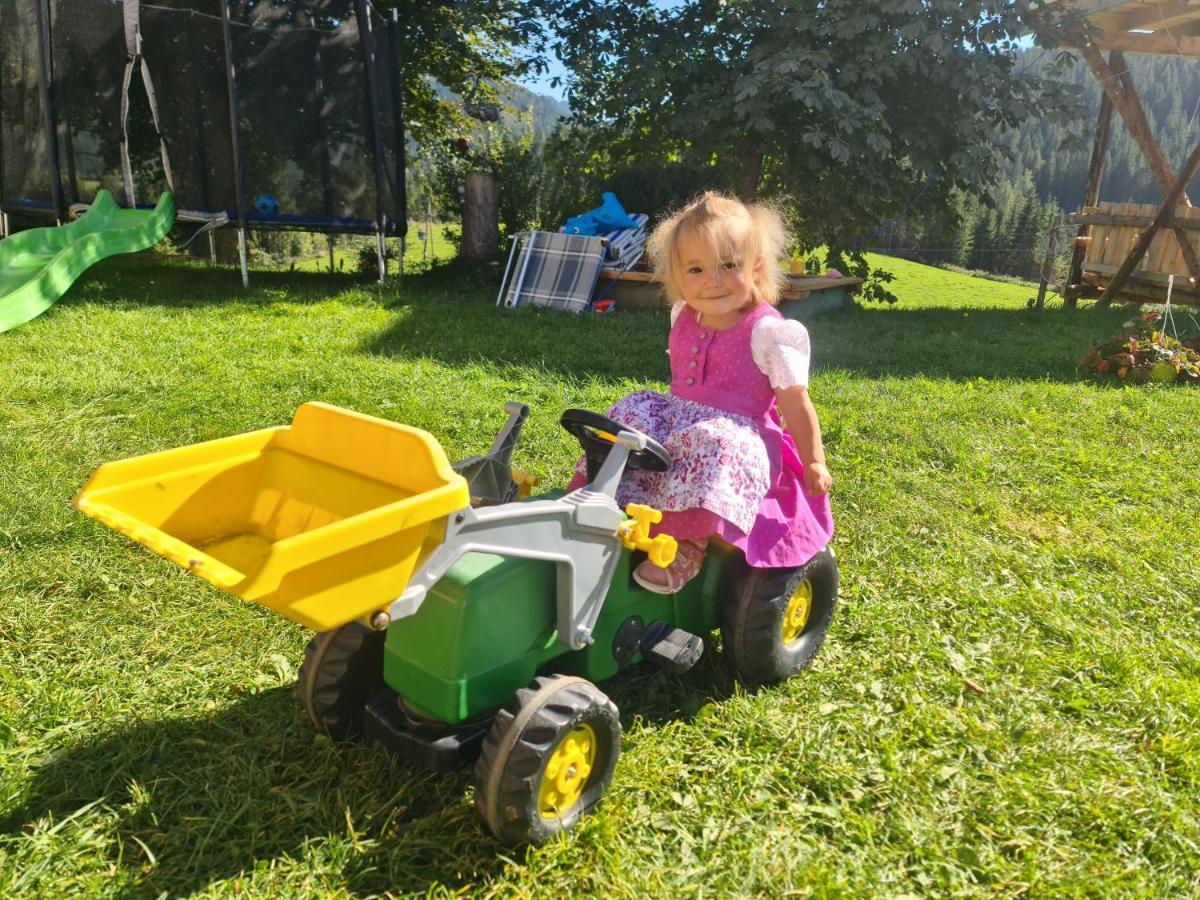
39, 266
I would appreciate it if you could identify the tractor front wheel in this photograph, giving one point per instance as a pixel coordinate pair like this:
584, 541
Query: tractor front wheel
547, 759
342, 668
777, 619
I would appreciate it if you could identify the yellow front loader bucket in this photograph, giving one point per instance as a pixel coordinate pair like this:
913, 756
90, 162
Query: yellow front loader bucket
322, 521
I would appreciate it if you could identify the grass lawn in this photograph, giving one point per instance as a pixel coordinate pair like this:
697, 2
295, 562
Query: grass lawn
1006, 704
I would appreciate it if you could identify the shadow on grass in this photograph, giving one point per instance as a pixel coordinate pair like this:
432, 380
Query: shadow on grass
150, 280
212, 796
961, 345
658, 697
449, 314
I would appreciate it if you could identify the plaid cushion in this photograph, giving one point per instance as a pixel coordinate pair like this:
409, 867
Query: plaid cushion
555, 270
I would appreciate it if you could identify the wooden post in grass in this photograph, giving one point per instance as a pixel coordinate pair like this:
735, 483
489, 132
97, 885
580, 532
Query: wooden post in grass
1047, 265
481, 229
1091, 196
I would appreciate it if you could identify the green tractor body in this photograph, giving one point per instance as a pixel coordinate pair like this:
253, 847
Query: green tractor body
488, 627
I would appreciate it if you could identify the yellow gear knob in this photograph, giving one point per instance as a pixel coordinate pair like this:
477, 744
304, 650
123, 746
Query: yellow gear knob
661, 550
635, 534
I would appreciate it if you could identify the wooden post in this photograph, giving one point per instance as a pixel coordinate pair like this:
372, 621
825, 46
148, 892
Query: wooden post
1091, 197
1048, 265
481, 229
1143, 242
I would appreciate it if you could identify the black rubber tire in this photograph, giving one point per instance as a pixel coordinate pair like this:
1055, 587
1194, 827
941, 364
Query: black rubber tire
524, 736
752, 622
342, 668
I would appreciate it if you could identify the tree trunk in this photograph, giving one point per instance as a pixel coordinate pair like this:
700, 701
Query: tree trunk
480, 228
751, 174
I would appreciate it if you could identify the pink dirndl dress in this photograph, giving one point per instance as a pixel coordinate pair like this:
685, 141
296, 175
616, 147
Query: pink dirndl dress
736, 472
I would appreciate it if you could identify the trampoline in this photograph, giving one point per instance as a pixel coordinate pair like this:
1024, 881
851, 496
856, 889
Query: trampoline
257, 114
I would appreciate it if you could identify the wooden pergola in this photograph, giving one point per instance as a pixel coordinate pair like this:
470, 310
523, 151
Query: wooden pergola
1151, 243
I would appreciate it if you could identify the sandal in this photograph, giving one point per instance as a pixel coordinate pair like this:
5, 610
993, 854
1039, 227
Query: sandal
689, 559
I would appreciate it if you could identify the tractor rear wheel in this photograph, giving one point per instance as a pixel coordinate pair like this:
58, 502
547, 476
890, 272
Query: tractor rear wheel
547, 759
342, 668
778, 618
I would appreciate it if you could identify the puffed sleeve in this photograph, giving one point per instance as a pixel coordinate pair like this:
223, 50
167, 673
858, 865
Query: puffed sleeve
781, 351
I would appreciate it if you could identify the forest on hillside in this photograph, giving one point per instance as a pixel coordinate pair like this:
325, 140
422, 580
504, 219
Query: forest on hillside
1009, 232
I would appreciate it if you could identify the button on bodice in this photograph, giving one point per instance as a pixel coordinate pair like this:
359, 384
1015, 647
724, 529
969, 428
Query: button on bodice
717, 368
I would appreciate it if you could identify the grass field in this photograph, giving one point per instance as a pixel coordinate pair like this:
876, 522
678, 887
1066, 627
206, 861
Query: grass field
1006, 704
419, 254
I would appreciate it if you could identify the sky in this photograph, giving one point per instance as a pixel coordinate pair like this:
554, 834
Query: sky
541, 85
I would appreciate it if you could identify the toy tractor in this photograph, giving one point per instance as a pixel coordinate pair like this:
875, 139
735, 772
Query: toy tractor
457, 620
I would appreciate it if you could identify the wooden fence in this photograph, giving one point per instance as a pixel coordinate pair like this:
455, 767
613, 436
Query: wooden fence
1115, 228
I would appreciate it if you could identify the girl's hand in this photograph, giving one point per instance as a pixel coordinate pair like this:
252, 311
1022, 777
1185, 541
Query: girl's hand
818, 479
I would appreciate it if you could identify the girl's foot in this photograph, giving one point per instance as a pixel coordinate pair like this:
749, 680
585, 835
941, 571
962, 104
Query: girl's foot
686, 566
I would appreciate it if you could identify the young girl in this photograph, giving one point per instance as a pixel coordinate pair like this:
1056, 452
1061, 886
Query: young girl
738, 472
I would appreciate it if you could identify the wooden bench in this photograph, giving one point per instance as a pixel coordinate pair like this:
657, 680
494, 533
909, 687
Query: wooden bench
803, 295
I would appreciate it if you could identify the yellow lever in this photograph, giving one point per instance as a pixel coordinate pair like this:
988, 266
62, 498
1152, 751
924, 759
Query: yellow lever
525, 483
635, 535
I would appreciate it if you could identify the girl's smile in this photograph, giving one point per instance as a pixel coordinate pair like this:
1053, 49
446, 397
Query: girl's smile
717, 285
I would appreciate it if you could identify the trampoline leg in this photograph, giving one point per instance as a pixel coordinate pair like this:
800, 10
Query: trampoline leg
212, 248
380, 254
243, 252
3, 225
332, 265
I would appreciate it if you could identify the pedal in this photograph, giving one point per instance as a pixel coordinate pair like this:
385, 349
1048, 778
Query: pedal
671, 649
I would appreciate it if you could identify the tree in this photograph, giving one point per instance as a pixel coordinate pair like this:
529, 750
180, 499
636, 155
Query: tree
851, 108
458, 43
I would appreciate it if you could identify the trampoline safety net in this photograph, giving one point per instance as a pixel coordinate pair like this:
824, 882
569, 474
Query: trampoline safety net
315, 148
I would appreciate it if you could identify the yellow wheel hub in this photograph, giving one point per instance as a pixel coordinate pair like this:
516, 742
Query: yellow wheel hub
798, 609
567, 772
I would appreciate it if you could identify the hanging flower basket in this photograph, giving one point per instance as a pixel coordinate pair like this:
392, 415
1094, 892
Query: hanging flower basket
1143, 354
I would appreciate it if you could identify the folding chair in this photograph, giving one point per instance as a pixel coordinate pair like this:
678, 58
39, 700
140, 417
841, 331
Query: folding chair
551, 269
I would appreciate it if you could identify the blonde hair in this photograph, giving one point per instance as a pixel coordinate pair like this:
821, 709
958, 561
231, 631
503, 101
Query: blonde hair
727, 225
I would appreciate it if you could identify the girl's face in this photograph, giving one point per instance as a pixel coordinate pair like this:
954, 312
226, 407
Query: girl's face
717, 285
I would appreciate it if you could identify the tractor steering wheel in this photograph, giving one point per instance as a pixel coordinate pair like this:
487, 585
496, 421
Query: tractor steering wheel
597, 434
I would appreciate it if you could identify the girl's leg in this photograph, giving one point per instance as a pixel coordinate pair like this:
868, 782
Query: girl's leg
686, 566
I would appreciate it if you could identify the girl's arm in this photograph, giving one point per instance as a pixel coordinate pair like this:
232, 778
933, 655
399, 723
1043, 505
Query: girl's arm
800, 418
